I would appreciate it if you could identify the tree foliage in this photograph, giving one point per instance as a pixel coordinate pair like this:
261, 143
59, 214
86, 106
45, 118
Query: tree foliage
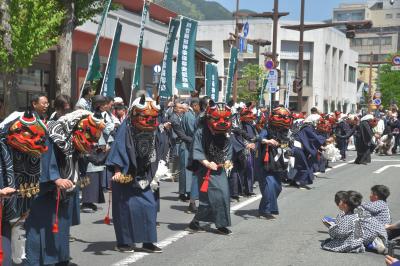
390, 85
35, 28
250, 73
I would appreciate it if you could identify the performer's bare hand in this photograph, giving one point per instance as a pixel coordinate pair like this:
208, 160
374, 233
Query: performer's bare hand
6, 191
270, 142
116, 176
167, 125
390, 260
64, 183
251, 146
213, 166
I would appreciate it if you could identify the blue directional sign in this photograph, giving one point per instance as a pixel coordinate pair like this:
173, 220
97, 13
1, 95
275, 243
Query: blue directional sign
246, 29
377, 101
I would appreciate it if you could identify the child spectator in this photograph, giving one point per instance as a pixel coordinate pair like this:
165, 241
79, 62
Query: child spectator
374, 215
329, 221
378, 207
346, 234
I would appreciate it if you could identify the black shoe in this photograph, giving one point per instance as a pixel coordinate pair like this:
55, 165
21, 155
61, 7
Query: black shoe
124, 249
87, 208
158, 224
93, 206
192, 208
267, 216
224, 231
235, 198
195, 227
183, 197
305, 187
151, 248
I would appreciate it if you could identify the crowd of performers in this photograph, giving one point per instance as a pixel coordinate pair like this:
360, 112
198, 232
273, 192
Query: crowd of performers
219, 150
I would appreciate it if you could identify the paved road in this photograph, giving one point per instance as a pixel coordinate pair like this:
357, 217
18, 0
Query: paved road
293, 239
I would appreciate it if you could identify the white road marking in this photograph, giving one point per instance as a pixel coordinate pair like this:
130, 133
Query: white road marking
389, 160
380, 170
168, 241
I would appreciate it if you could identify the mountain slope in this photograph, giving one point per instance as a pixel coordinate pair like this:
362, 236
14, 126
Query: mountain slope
197, 9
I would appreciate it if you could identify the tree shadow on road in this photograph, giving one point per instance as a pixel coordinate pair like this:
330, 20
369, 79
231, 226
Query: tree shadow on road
247, 214
170, 198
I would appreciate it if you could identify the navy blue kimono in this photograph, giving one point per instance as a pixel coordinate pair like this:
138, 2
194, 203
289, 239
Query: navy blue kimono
307, 143
6, 208
269, 173
188, 124
214, 205
43, 247
248, 174
239, 165
343, 132
134, 209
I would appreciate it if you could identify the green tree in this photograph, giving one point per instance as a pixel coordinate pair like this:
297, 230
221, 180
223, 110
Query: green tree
252, 76
77, 12
27, 28
390, 85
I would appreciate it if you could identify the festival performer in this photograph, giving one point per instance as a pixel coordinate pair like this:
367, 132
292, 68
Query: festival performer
134, 159
306, 143
323, 128
211, 155
247, 119
343, 132
22, 133
364, 140
272, 158
49, 221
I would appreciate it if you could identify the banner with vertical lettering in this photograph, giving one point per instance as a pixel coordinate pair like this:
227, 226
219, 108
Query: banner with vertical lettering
165, 85
212, 81
138, 63
93, 72
108, 86
231, 72
186, 68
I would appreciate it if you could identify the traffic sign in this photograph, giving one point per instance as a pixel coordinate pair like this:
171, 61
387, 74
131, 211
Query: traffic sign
377, 101
269, 64
246, 29
396, 60
241, 44
157, 69
272, 78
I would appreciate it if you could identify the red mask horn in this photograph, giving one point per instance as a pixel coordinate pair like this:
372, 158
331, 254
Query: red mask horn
88, 132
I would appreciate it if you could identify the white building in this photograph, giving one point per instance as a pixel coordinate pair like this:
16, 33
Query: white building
330, 68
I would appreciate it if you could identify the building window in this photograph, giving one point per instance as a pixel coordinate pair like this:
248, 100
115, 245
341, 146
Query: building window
398, 15
389, 16
345, 72
352, 74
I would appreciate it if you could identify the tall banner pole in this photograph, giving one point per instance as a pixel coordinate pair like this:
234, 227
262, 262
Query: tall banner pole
186, 65
139, 53
231, 72
96, 43
165, 85
108, 85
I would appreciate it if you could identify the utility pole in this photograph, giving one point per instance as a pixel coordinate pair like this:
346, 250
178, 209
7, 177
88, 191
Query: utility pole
275, 31
351, 27
371, 64
301, 57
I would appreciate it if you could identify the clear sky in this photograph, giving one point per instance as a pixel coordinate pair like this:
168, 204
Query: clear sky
315, 10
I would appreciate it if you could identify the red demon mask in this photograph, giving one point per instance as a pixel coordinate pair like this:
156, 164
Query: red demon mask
219, 117
246, 113
28, 135
87, 133
280, 118
261, 121
324, 126
145, 114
